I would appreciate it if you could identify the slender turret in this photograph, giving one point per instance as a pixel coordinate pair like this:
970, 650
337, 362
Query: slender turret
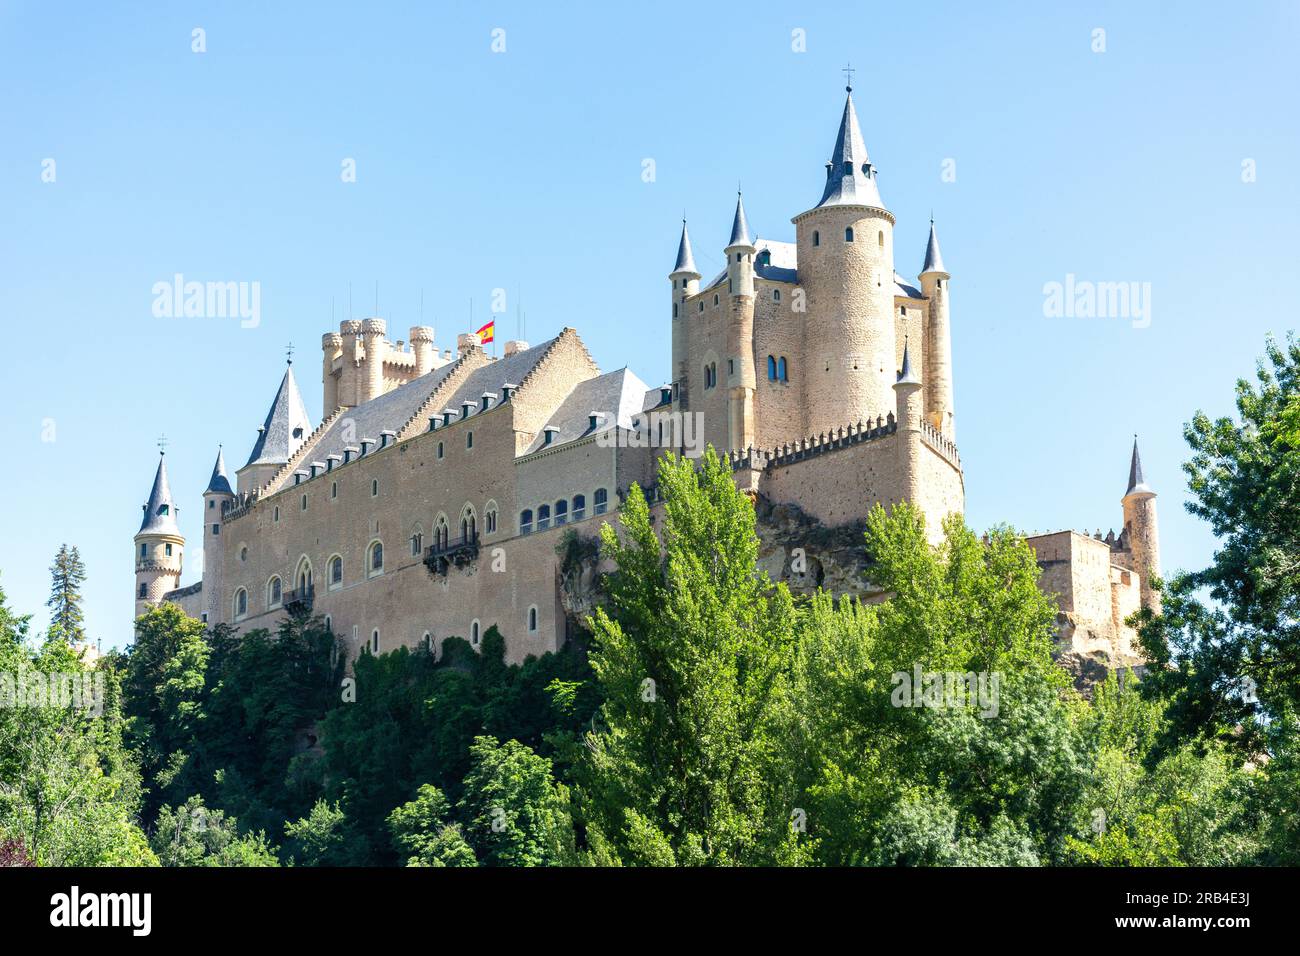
938, 341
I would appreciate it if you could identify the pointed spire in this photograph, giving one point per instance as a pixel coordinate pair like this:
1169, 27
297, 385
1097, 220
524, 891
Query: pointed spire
907, 376
1136, 483
739, 227
286, 427
685, 260
850, 177
160, 511
933, 260
219, 483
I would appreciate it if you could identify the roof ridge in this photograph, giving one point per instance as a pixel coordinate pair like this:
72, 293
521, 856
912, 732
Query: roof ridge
567, 332
461, 363
307, 446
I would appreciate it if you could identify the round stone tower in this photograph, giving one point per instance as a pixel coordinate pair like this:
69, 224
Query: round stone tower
1141, 528
376, 345
217, 500
422, 344
330, 344
846, 271
349, 375
685, 279
938, 341
159, 545
741, 379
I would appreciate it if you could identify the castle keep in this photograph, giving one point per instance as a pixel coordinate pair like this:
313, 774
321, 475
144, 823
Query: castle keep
430, 499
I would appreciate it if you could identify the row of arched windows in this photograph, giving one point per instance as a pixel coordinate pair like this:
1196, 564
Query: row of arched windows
777, 370
562, 512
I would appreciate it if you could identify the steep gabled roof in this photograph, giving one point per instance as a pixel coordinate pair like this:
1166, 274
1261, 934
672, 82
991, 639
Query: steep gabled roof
285, 428
619, 395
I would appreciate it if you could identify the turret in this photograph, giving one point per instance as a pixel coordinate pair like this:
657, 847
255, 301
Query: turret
331, 345
217, 500
685, 279
376, 348
159, 545
938, 341
286, 427
349, 374
1142, 530
741, 380
422, 344
909, 415
846, 269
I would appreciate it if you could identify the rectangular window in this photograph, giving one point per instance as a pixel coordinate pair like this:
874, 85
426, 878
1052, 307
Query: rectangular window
216, 529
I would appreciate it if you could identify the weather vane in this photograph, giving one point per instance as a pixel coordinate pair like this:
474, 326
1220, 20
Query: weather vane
848, 77
289, 352
162, 444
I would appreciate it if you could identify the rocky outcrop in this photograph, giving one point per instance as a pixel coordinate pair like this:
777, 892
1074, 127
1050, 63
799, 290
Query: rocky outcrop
798, 550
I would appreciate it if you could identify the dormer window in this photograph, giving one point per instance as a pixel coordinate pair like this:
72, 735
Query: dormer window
549, 433
164, 509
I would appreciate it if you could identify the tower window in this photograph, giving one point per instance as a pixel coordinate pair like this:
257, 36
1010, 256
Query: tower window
334, 489
216, 529
211, 503
374, 641
144, 550
848, 234
532, 620
715, 295
473, 633
374, 487
674, 310
817, 238
776, 295
771, 368
490, 520
304, 502
880, 239
275, 514
781, 369
417, 540
168, 549
440, 450
144, 589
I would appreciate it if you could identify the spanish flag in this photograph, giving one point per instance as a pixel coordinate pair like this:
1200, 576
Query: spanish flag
487, 333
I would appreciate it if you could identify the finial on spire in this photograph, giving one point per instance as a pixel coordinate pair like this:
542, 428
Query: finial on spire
162, 444
848, 72
933, 260
288, 349
739, 225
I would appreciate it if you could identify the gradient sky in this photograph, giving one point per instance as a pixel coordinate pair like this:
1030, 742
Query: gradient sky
522, 170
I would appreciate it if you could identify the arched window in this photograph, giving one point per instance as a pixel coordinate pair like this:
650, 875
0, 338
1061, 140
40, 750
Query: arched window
334, 489
715, 295
329, 623
336, 572
275, 513
241, 604
441, 532
781, 370
848, 234
374, 641
579, 507
304, 502
561, 512
771, 368
880, 239
473, 633
817, 238
543, 517
274, 592
601, 501
776, 295
303, 576
490, 518
526, 521
532, 619
439, 449
374, 487
376, 557
417, 544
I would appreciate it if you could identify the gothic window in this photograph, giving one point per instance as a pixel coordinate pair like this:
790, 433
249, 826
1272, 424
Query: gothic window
241, 603
526, 521
579, 507
601, 501
274, 592
336, 571
417, 543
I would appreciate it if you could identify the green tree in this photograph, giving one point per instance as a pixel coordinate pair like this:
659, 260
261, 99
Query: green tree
693, 660
515, 815
324, 838
193, 835
68, 573
422, 833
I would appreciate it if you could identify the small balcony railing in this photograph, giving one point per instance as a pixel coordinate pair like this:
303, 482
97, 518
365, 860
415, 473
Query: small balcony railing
457, 552
299, 599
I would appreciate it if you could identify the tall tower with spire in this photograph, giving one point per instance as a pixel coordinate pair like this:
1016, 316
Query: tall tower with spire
217, 500
938, 341
741, 381
159, 545
846, 269
685, 279
1141, 529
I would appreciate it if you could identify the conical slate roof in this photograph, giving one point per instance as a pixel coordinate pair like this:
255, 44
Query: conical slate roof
1136, 483
850, 179
739, 227
160, 511
219, 484
285, 428
907, 376
933, 260
685, 261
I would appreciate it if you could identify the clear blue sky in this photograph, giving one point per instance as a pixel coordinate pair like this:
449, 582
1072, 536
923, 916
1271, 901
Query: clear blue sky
523, 170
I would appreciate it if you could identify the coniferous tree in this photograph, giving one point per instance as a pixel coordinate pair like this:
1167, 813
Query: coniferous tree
67, 573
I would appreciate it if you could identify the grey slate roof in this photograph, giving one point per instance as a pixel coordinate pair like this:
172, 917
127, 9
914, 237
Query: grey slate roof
392, 410
933, 260
907, 376
1136, 483
739, 227
905, 288
850, 178
685, 261
620, 395
781, 266
219, 484
160, 511
285, 428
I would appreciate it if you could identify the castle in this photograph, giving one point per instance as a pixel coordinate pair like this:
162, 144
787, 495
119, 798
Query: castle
430, 499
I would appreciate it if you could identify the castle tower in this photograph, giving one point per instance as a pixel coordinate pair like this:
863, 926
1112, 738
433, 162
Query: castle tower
741, 381
331, 345
938, 341
286, 427
371, 384
422, 343
349, 373
159, 545
217, 500
846, 269
908, 396
685, 279
1141, 529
